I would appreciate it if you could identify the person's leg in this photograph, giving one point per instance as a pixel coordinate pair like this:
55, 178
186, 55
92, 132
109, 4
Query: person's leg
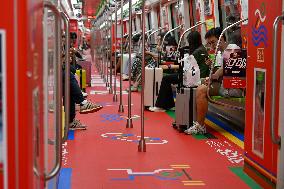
72, 113
202, 103
75, 91
201, 111
165, 98
77, 97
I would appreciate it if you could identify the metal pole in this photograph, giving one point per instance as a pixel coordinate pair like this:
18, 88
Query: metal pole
110, 75
275, 139
129, 119
115, 57
121, 108
169, 33
107, 48
102, 47
142, 143
187, 30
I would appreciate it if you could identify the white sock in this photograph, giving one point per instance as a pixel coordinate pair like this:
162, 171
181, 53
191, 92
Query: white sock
84, 102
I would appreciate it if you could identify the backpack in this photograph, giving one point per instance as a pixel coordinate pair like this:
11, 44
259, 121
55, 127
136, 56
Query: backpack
191, 71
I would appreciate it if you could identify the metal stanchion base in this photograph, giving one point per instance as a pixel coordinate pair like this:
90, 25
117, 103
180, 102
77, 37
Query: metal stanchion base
129, 123
115, 98
121, 108
110, 91
142, 145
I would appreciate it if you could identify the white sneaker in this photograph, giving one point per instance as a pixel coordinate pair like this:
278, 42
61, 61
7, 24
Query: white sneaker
196, 129
156, 109
84, 94
125, 77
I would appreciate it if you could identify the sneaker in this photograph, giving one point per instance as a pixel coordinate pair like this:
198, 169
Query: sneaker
89, 107
125, 77
77, 125
51, 108
84, 94
196, 129
156, 109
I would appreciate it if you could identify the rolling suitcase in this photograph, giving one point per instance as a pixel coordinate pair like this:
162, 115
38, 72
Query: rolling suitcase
152, 85
86, 65
82, 75
185, 97
185, 108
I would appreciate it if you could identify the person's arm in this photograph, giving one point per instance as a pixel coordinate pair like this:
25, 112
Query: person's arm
218, 74
166, 67
154, 55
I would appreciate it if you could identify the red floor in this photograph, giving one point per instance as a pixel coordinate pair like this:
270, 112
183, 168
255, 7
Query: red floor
106, 155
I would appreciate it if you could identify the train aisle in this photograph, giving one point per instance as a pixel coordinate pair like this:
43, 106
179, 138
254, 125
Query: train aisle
105, 156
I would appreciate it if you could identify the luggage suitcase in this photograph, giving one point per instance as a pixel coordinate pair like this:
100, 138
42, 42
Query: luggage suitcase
82, 75
86, 65
185, 108
152, 85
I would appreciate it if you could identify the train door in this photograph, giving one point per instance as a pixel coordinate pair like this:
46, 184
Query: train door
262, 155
22, 76
52, 89
26, 111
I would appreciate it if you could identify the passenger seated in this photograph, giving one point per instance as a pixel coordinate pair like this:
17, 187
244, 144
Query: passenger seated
151, 59
211, 38
76, 97
165, 99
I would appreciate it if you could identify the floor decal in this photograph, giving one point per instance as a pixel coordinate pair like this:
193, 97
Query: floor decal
65, 154
133, 138
111, 117
226, 149
92, 92
133, 116
176, 173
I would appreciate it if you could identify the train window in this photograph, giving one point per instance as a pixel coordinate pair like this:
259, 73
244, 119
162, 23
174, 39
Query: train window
149, 21
174, 18
134, 25
230, 12
259, 111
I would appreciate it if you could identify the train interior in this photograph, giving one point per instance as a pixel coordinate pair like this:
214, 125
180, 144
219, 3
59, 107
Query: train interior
136, 102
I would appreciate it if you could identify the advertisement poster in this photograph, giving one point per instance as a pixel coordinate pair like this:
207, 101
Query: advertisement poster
259, 111
234, 62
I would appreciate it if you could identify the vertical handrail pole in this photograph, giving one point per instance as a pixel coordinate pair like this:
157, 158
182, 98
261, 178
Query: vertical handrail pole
275, 139
107, 48
111, 47
142, 143
115, 57
129, 119
121, 108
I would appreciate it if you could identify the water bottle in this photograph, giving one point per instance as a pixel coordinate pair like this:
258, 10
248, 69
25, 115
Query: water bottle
219, 59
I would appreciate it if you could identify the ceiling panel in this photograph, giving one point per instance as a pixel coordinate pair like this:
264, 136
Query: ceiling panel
90, 7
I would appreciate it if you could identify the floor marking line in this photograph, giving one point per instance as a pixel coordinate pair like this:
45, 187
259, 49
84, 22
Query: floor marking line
194, 184
186, 174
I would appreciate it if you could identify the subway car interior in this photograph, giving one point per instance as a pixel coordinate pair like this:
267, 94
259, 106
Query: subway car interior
141, 94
